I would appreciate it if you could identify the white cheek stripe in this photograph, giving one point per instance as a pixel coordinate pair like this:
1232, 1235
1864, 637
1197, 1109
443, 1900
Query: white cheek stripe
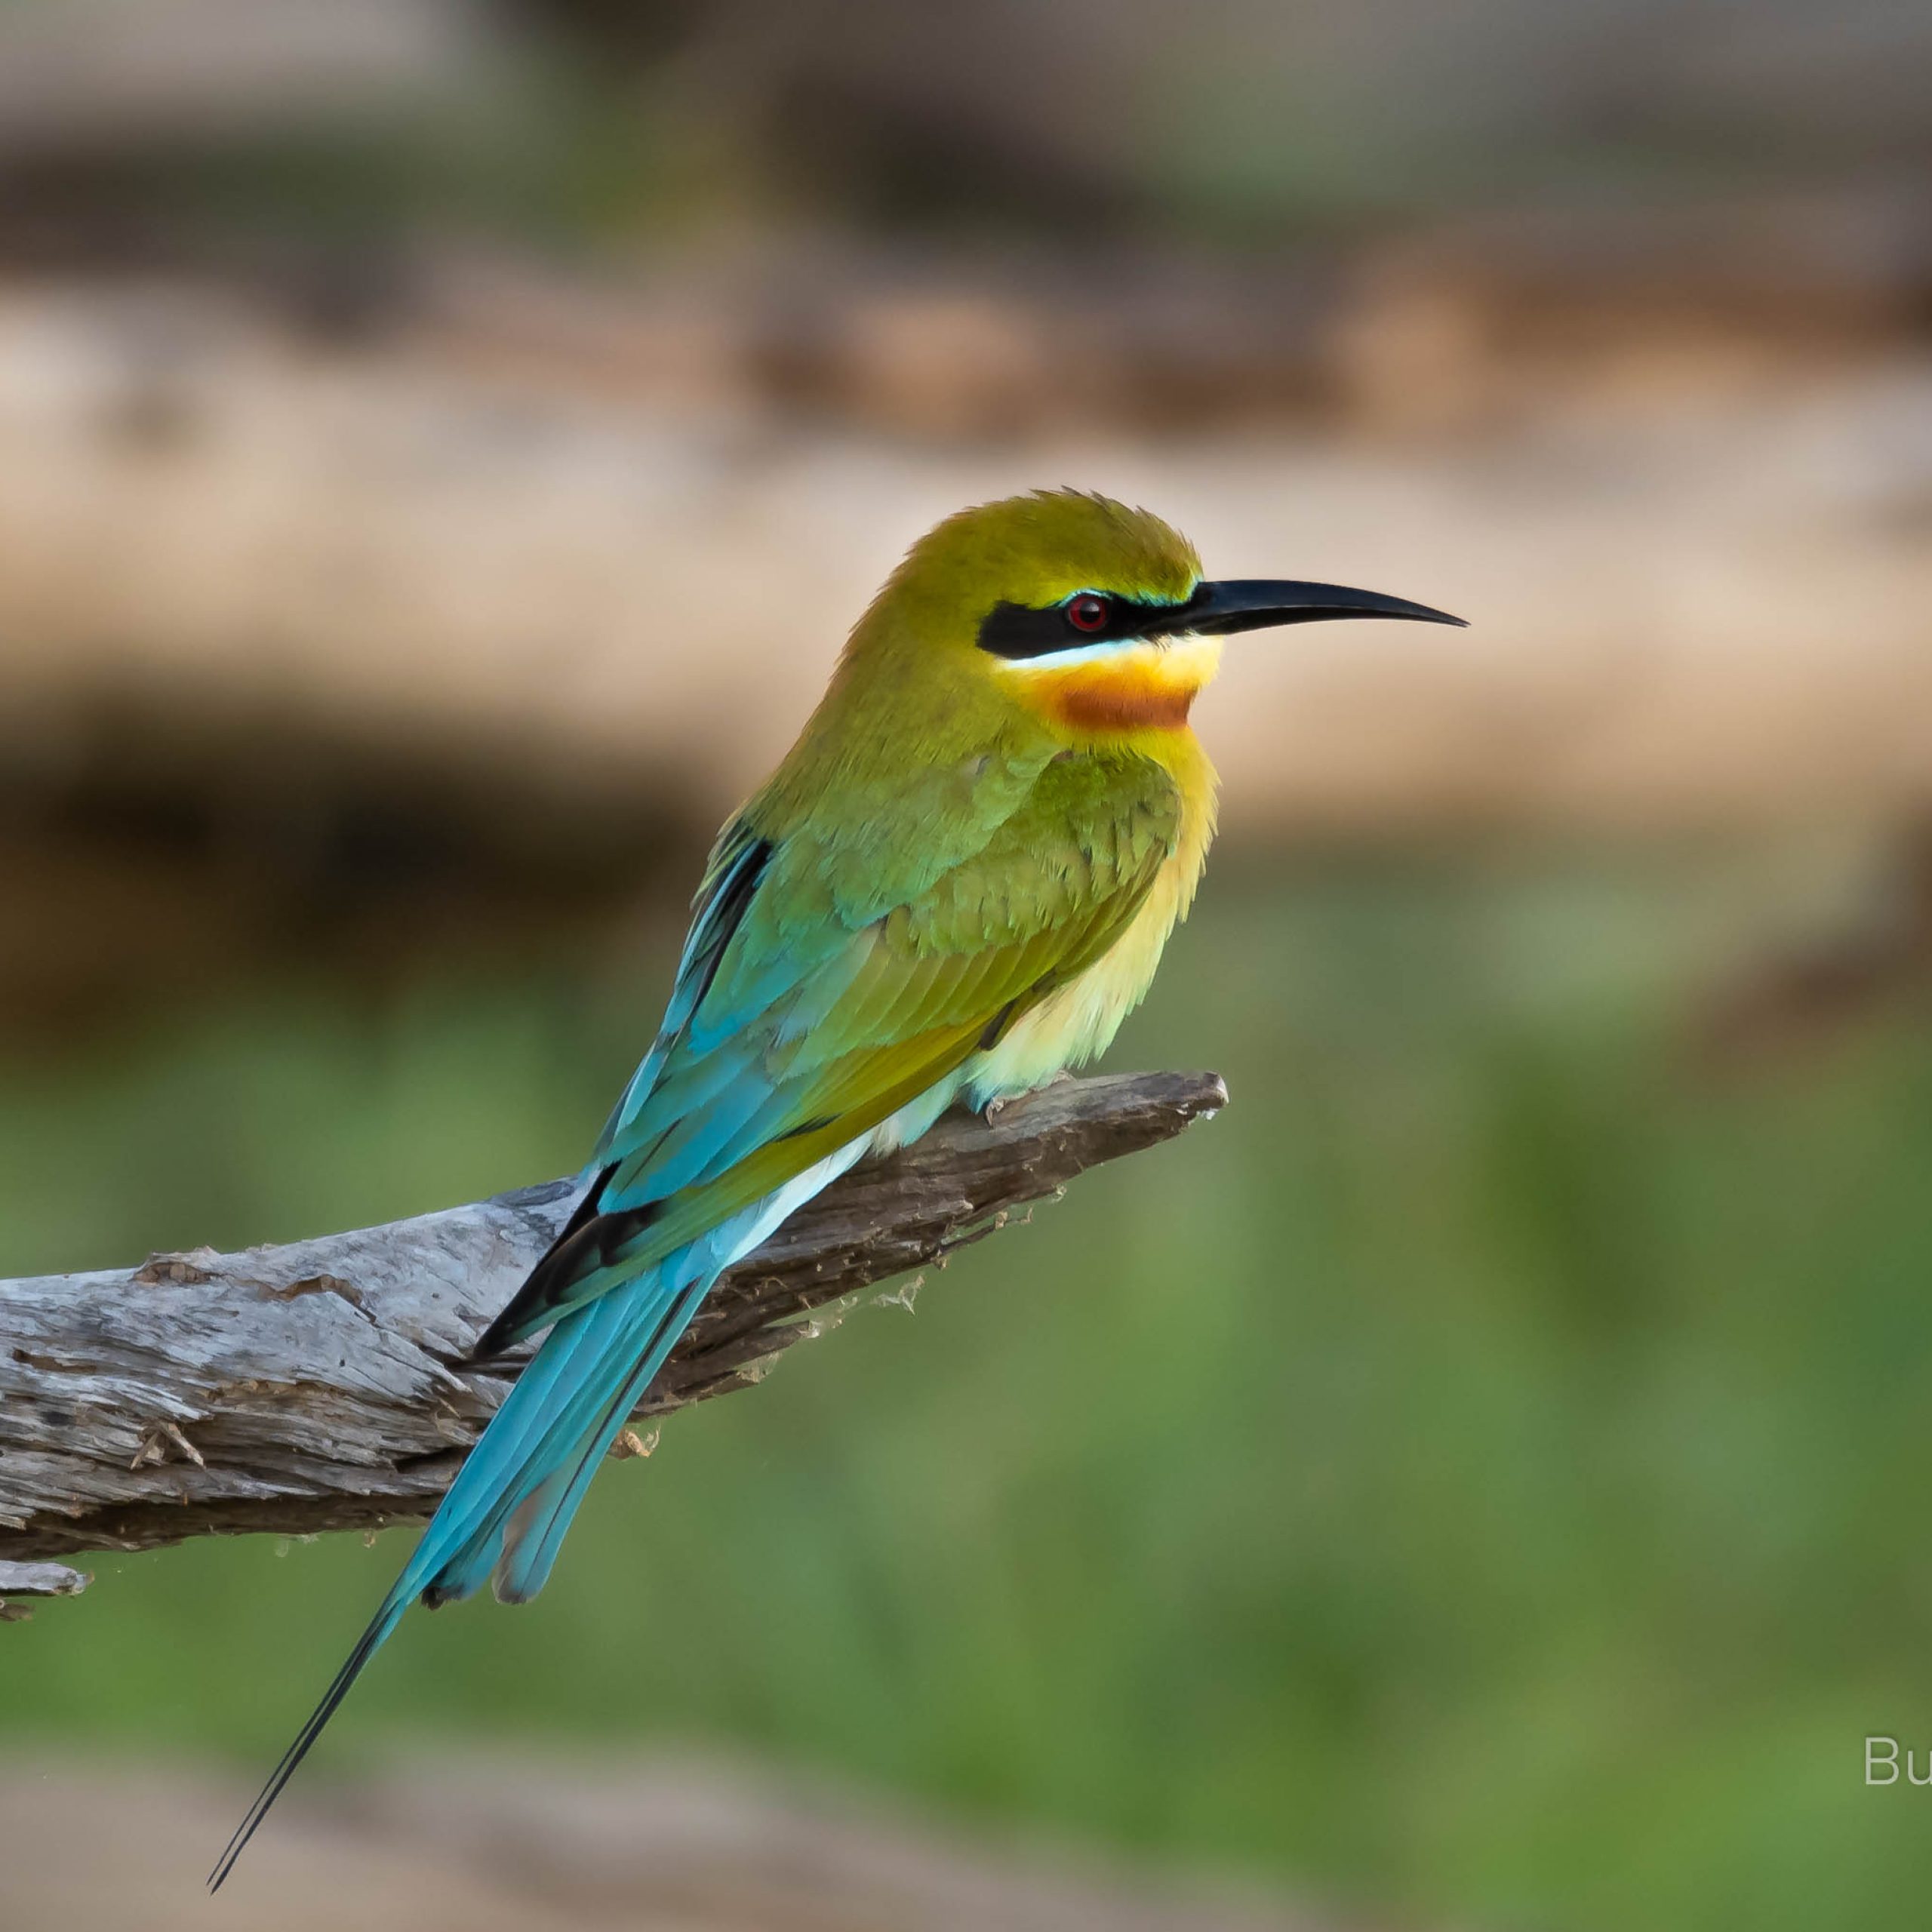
1095, 654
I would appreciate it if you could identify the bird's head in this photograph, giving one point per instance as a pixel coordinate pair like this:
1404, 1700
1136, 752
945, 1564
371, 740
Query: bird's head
1093, 616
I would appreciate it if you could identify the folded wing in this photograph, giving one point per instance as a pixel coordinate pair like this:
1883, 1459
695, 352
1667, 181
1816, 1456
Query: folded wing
814, 1000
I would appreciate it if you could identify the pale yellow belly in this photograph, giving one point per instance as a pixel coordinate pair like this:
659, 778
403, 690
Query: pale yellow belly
1078, 1022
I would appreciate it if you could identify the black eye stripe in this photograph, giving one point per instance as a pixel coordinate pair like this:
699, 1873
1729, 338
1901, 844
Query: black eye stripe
1022, 630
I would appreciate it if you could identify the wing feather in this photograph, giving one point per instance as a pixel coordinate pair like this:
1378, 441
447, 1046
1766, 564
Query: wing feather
808, 1031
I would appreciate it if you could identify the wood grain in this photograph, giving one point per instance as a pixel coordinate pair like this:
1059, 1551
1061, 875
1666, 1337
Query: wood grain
322, 1385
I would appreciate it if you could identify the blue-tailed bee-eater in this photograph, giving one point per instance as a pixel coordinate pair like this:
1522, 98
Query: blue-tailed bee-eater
957, 883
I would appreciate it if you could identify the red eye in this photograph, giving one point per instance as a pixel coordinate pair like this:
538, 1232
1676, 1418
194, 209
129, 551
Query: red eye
1088, 613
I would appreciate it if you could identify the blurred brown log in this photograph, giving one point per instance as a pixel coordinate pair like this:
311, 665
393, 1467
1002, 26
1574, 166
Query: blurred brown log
516, 1844
89, 77
581, 563
323, 1385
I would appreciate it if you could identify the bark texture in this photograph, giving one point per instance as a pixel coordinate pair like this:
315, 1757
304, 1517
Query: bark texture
322, 1385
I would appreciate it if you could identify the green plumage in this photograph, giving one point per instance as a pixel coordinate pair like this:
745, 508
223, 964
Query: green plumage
842, 993
933, 863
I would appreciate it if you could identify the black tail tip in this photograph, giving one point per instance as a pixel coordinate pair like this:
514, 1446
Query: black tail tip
494, 1340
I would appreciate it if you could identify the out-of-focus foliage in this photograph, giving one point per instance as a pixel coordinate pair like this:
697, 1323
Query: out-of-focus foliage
1234, 118
1477, 1474
1482, 1475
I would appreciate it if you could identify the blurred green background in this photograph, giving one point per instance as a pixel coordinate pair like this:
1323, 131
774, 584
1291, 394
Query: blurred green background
1477, 1481
1472, 1477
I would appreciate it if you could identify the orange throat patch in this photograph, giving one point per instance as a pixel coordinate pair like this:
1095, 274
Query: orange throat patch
1101, 699
1143, 687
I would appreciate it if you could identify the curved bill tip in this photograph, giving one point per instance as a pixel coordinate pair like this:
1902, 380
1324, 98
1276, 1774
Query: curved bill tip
1253, 604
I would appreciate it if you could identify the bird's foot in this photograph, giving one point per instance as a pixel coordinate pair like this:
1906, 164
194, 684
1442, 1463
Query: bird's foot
999, 1104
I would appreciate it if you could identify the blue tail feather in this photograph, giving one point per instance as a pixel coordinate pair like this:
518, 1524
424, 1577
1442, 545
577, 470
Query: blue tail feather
514, 1497
578, 1356
543, 1445
610, 1364
530, 1545
541, 1422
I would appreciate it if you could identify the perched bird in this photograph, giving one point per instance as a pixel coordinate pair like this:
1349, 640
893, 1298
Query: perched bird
957, 883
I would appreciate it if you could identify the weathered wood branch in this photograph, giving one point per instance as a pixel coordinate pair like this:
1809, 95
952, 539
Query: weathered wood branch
322, 1385
36, 1579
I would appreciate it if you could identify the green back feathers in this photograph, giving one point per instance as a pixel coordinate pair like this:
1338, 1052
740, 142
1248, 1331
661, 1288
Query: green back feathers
826, 1010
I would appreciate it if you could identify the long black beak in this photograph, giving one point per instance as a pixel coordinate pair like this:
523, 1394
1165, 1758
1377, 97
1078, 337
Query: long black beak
1254, 604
